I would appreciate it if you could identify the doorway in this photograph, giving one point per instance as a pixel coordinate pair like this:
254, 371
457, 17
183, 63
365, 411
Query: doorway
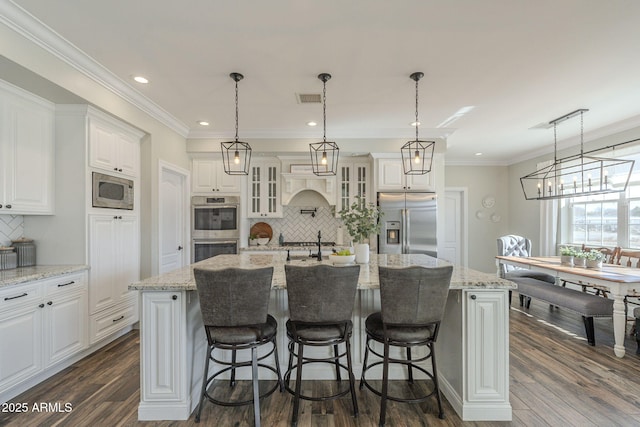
173, 217
456, 234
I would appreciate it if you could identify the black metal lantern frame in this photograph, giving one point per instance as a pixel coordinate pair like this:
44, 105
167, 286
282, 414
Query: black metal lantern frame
417, 156
577, 175
324, 155
236, 155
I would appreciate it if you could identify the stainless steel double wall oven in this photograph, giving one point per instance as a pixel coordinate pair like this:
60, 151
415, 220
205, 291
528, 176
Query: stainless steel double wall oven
215, 226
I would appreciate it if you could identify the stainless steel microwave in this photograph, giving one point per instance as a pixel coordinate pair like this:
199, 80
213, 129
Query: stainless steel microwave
112, 192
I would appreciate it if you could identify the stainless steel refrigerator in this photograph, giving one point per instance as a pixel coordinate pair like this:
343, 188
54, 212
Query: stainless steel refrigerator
408, 223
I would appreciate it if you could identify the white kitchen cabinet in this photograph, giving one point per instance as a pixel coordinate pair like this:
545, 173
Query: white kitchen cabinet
113, 147
391, 177
473, 354
209, 176
114, 259
353, 180
26, 153
264, 189
41, 323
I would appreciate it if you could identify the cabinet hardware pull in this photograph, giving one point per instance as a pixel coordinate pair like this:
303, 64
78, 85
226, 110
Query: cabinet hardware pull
0, 206
8, 206
66, 284
41, 305
174, 297
179, 248
119, 170
473, 297
119, 318
50, 303
115, 217
115, 169
16, 297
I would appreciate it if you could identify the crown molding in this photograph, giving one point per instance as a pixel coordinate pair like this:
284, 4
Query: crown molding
34, 30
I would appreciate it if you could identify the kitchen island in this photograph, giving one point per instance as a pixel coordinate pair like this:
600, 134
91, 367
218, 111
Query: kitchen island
473, 344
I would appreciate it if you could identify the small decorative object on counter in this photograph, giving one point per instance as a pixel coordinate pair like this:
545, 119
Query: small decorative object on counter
361, 220
281, 240
26, 250
8, 258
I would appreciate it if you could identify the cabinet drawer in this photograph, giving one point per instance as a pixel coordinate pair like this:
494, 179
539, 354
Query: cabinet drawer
111, 320
17, 296
70, 283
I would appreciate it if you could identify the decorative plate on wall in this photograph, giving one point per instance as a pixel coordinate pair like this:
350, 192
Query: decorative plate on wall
261, 230
488, 202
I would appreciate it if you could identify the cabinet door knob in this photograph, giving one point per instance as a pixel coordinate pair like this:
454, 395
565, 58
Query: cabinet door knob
174, 297
115, 169
473, 297
50, 303
8, 206
179, 248
0, 206
119, 170
41, 305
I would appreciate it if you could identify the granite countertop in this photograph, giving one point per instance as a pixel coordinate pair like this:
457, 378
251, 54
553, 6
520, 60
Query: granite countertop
276, 247
20, 275
183, 280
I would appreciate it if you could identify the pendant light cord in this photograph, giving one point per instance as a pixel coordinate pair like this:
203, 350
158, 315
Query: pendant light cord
236, 111
417, 124
324, 110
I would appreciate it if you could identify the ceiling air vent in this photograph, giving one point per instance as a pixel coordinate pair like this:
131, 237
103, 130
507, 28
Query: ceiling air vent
309, 98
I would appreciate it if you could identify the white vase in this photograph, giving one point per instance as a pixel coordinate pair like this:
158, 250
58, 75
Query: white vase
592, 263
566, 259
362, 253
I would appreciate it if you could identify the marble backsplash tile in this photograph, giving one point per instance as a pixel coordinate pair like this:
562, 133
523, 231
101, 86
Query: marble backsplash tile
299, 227
11, 228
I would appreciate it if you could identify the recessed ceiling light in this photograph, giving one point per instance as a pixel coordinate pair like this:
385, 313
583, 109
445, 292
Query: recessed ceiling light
415, 124
203, 123
141, 79
312, 124
478, 154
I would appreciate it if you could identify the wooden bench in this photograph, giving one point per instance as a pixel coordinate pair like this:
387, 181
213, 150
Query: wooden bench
585, 304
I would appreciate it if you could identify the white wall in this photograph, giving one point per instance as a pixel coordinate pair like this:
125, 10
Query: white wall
160, 143
483, 181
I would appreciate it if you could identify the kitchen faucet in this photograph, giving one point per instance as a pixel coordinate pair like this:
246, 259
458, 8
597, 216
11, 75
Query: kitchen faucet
319, 254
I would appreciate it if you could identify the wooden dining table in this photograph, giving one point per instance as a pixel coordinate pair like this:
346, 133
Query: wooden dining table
619, 280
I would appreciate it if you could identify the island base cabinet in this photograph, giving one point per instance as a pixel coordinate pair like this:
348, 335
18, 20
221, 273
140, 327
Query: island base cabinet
171, 366
473, 354
21, 348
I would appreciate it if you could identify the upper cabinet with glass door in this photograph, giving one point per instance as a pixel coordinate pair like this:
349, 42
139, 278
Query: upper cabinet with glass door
264, 189
353, 181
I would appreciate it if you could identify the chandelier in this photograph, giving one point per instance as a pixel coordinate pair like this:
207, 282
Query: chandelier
324, 155
577, 175
236, 155
417, 156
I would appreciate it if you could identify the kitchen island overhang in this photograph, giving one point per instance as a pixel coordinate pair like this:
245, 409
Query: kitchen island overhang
473, 345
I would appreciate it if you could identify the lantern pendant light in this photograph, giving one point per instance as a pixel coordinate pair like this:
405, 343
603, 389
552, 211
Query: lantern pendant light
417, 156
236, 155
324, 155
576, 175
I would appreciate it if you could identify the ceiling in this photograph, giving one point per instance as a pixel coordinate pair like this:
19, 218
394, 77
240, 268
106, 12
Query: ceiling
520, 64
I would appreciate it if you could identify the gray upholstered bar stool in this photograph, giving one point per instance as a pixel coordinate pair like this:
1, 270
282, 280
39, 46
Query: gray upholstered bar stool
412, 301
321, 299
234, 304
636, 314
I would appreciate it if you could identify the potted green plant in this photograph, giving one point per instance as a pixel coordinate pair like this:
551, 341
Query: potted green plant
595, 259
566, 254
361, 220
580, 259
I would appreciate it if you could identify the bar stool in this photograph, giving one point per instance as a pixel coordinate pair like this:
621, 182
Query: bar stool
413, 301
234, 304
321, 299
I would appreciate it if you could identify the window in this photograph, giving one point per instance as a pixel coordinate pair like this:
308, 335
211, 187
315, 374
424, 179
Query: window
605, 220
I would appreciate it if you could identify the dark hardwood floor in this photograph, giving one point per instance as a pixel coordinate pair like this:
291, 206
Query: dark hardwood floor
556, 380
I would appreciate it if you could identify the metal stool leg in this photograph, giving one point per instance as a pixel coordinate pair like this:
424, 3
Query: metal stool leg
364, 363
205, 377
277, 361
385, 384
256, 388
232, 381
296, 398
409, 365
352, 380
337, 362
